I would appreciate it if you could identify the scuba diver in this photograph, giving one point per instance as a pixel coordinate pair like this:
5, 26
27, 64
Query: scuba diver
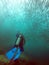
16, 51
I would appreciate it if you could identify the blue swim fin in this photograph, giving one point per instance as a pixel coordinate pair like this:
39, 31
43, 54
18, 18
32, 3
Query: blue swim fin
11, 53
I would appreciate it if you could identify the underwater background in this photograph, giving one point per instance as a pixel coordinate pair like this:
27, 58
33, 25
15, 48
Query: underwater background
29, 17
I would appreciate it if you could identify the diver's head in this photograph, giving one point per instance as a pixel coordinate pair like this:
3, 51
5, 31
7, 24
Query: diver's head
20, 40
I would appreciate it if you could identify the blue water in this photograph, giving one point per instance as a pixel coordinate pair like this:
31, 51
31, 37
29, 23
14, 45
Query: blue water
29, 17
